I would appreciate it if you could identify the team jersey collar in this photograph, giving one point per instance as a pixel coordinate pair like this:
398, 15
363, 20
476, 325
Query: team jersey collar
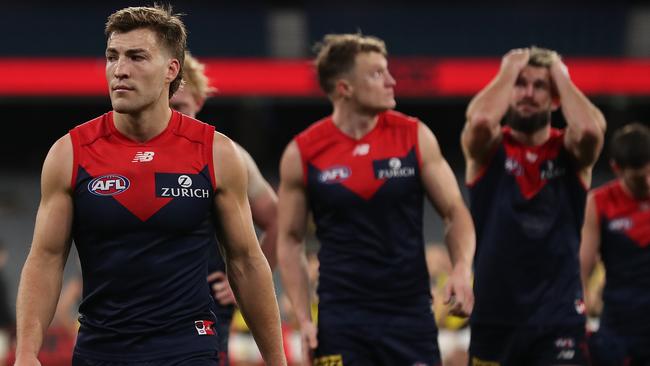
380, 122
174, 120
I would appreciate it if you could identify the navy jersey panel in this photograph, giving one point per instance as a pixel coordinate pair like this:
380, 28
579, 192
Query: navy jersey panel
625, 251
367, 200
216, 263
143, 224
528, 207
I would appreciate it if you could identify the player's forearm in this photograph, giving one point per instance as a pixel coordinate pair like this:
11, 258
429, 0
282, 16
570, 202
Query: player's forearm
39, 289
460, 237
580, 114
253, 285
295, 279
490, 104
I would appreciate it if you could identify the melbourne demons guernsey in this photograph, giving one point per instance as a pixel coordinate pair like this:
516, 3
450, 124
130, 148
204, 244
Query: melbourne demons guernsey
367, 200
528, 206
143, 224
625, 240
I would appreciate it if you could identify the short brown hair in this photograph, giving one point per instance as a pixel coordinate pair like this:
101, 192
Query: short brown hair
630, 146
168, 27
194, 78
336, 55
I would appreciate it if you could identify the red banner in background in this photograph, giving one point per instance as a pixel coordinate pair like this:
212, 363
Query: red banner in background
416, 77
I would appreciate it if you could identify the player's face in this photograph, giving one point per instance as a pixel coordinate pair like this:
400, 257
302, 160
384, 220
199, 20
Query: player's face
138, 70
532, 92
637, 180
531, 101
184, 102
371, 83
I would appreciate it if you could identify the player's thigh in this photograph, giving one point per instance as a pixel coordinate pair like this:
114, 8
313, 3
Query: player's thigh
493, 346
343, 345
416, 345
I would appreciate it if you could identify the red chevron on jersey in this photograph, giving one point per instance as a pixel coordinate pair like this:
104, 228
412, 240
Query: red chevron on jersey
360, 165
624, 214
102, 151
533, 166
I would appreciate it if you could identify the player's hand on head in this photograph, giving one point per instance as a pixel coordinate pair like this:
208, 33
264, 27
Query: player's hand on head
515, 59
221, 290
309, 342
458, 293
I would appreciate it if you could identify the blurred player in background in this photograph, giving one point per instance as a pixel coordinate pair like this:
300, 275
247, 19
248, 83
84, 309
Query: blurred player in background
528, 185
189, 100
363, 172
617, 230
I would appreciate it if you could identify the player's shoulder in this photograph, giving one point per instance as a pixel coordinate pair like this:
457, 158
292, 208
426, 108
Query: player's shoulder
607, 191
192, 128
93, 129
394, 118
316, 130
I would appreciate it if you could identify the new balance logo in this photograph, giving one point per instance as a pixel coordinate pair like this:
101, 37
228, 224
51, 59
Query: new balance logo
143, 156
361, 149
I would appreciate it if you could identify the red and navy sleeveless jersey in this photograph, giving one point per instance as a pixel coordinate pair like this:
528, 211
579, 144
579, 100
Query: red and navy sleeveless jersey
625, 250
528, 206
367, 201
143, 224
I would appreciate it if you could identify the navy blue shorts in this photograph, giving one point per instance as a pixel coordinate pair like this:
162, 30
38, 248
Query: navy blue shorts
209, 359
607, 348
534, 346
222, 327
354, 345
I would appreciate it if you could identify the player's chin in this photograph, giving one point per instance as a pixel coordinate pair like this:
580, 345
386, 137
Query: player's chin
123, 106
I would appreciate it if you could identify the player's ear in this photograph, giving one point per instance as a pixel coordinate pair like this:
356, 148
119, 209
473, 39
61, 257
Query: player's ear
343, 88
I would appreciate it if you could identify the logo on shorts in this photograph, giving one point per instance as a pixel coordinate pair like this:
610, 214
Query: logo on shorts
478, 362
108, 185
331, 360
204, 327
335, 174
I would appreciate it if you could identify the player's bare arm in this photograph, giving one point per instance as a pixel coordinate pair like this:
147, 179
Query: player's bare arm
264, 207
585, 123
443, 192
43, 270
482, 129
589, 245
292, 227
248, 270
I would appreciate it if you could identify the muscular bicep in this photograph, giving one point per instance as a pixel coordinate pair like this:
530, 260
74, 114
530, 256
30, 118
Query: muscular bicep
292, 205
438, 179
53, 226
232, 211
263, 199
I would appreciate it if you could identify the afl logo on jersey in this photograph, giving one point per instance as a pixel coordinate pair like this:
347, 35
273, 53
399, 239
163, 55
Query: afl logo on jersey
335, 174
108, 185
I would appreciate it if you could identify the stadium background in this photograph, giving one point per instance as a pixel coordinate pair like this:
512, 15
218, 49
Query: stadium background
51, 73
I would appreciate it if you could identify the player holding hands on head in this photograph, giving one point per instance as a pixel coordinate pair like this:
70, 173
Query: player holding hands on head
528, 184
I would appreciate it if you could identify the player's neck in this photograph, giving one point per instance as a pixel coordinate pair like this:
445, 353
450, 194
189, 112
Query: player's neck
354, 123
639, 196
143, 125
532, 139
